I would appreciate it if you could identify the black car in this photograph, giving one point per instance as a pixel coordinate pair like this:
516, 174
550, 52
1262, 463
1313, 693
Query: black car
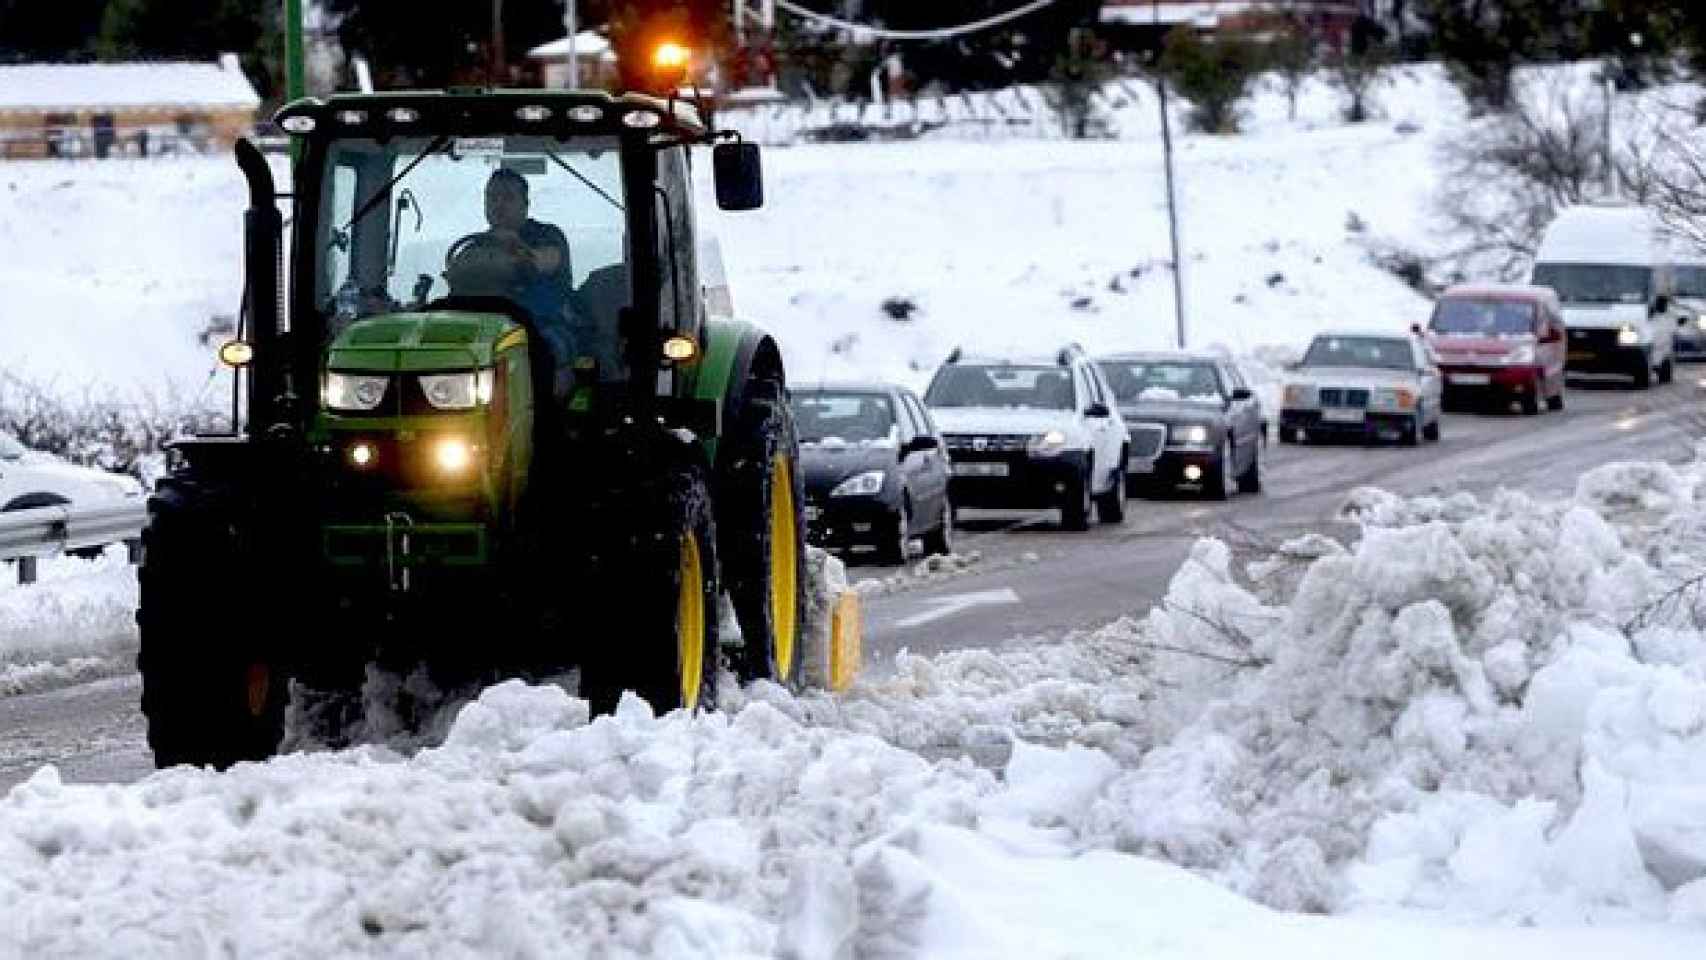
1192, 419
876, 473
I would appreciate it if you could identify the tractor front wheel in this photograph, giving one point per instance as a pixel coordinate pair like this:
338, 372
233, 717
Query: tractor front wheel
209, 700
759, 514
662, 643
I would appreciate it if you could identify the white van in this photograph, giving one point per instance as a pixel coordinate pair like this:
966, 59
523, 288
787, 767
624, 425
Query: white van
1611, 267
1691, 302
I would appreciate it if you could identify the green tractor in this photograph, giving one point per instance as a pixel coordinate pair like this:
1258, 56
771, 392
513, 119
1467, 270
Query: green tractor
489, 426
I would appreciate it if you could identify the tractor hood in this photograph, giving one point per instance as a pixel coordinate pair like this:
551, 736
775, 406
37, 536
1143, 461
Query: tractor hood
422, 342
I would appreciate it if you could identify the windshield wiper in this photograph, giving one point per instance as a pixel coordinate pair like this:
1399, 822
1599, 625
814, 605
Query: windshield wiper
595, 188
438, 144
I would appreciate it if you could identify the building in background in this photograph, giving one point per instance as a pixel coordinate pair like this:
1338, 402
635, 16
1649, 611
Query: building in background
593, 52
1331, 20
123, 109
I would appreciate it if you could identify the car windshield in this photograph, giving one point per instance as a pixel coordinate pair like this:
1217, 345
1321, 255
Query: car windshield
1001, 385
533, 220
1691, 281
844, 418
1382, 352
1483, 318
1595, 283
10, 448
1138, 380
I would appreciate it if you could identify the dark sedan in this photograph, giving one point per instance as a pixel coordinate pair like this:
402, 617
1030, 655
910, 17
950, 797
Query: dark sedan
876, 473
1193, 420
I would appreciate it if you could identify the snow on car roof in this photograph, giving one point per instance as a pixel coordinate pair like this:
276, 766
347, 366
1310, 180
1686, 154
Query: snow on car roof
1502, 291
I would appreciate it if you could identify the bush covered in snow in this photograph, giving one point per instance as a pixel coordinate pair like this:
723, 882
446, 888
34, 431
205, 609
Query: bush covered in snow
112, 434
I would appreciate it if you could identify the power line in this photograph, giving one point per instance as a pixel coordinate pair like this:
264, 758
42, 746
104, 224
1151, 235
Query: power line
940, 33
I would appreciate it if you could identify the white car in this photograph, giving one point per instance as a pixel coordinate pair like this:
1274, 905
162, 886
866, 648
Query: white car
1034, 432
1364, 386
30, 479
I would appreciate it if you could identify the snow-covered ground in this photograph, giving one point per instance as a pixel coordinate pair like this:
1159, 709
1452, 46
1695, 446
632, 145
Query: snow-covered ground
1478, 730
1481, 728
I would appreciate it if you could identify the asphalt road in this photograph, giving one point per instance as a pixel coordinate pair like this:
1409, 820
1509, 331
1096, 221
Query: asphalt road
1036, 581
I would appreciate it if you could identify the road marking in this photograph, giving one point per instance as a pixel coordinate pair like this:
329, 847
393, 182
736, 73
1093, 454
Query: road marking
944, 607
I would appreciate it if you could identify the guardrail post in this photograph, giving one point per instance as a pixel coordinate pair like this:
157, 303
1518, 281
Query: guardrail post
26, 569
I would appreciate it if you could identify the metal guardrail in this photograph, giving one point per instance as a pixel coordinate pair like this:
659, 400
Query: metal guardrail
44, 532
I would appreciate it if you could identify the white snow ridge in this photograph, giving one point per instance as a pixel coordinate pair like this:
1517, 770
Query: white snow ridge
1480, 730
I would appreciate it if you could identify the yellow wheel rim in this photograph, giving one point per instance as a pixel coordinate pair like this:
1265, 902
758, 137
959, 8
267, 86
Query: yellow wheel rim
690, 622
784, 565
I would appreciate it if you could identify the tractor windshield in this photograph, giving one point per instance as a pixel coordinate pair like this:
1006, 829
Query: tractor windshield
410, 221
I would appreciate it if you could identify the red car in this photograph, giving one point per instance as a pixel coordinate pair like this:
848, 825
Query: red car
1500, 343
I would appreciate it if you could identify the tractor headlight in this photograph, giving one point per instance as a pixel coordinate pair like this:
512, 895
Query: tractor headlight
1191, 435
354, 391
860, 484
1048, 444
457, 391
453, 455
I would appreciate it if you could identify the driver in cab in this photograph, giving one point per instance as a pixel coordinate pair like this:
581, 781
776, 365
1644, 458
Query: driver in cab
540, 251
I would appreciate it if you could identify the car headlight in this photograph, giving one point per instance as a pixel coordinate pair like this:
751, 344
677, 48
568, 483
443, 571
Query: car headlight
860, 484
1192, 435
354, 391
1628, 336
1394, 399
457, 391
1299, 395
1522, 353
1048, 444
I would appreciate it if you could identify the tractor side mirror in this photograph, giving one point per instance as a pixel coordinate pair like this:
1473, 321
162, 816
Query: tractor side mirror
739, 174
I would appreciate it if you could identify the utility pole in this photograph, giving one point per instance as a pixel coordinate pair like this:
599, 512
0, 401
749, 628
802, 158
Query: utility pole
495, 74
1172, 200
571, 18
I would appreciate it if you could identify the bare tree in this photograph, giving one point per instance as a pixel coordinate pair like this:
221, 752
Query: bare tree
1357, 73
1508, 177
1292, 53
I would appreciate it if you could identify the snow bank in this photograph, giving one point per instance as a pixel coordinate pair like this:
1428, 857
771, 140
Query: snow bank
75, 623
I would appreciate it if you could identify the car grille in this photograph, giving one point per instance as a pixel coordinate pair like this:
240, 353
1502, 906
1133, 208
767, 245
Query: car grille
1340, 397
1147, 439
978, 443
1596, 341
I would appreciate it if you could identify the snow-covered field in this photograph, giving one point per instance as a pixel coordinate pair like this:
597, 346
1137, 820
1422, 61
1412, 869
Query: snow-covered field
1481, 728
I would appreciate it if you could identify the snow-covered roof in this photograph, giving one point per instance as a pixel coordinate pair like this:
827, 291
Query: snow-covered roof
1203, 12
72, 86
588, 43
1502, 291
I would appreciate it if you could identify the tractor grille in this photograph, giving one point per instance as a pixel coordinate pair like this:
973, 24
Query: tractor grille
1340, 397
973, 444
1147, 439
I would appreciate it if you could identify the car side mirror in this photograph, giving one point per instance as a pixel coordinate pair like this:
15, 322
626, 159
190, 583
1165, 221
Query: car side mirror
920, 444
739, 176
1242, 394
1661, 304
1550, 335
1098, 411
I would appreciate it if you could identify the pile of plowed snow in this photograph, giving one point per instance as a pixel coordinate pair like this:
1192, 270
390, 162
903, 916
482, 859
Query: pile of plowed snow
1489, 711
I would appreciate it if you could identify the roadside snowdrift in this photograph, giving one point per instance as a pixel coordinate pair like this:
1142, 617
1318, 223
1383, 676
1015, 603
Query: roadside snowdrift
1482, 711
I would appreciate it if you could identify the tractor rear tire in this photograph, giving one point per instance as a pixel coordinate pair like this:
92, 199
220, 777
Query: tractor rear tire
761, 496
662, 642
208, 700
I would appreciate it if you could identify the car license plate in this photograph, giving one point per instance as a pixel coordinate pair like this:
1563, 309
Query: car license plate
1468, 379
980, 469
1342, 416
